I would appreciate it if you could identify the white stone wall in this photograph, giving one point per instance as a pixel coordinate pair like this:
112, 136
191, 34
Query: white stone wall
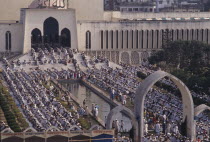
142, 37
149, 41
16, 37
34, 18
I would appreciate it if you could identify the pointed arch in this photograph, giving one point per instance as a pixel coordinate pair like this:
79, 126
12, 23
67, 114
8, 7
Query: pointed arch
131, 115
125, 58
188, 105
95, 127
8, 41
73, 127
199, 109
135, 58
51, 30
66, 38
7, 130
51, 128
36, 37
30, 129
88, 40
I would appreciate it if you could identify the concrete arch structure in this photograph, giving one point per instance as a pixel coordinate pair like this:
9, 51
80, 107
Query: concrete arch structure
95, 127
72, 128
188, 105
52, 128
30, 129
199, 109
7, 130
118, 109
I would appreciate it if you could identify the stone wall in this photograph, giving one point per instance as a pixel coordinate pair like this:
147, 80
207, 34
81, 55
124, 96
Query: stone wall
34, 18
16, 31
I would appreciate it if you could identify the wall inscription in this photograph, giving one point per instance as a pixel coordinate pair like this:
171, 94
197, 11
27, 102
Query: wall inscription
53, 3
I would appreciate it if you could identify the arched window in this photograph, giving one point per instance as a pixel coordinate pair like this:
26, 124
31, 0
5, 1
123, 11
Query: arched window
66, 38
142, 39
152, 38
36, 38
122, 39
182, 34
102, 39
112, 34
147, 39
88, 40
192, 32
137, 39
187, 34
163, 38
177, 34
127, 38
172, 35
117, 39
107, 39
157, 32
132, 39
197, 31
8, 41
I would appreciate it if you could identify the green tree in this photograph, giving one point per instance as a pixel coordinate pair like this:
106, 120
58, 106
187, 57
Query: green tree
187, 60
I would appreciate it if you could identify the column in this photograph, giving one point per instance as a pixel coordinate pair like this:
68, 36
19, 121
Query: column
130, 39
135, 39
114, 40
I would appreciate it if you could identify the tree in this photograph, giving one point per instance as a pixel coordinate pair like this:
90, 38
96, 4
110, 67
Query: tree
207, 6
190, 55
189, 61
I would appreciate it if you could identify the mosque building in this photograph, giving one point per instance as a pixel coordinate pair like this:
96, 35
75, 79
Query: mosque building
128, 37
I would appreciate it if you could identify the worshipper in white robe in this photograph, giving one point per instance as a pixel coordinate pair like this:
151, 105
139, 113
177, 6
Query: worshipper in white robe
146, 128
96, 112
117, 125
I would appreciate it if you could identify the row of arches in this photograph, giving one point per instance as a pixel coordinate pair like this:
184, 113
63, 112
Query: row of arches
137, 117
134, 58
51, 34
153, 39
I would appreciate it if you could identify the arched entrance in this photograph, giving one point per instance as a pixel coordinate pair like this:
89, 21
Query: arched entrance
144, 56
125, 58
135, 58
188, 106
118, 109
66, 38
51, 31
36, 38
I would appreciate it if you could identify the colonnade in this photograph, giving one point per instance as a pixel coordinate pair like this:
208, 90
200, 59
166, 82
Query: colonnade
148, 39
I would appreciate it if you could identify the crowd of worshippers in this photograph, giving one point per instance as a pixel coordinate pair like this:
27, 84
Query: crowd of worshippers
160, 107
120, 83
39, 104
48, 56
